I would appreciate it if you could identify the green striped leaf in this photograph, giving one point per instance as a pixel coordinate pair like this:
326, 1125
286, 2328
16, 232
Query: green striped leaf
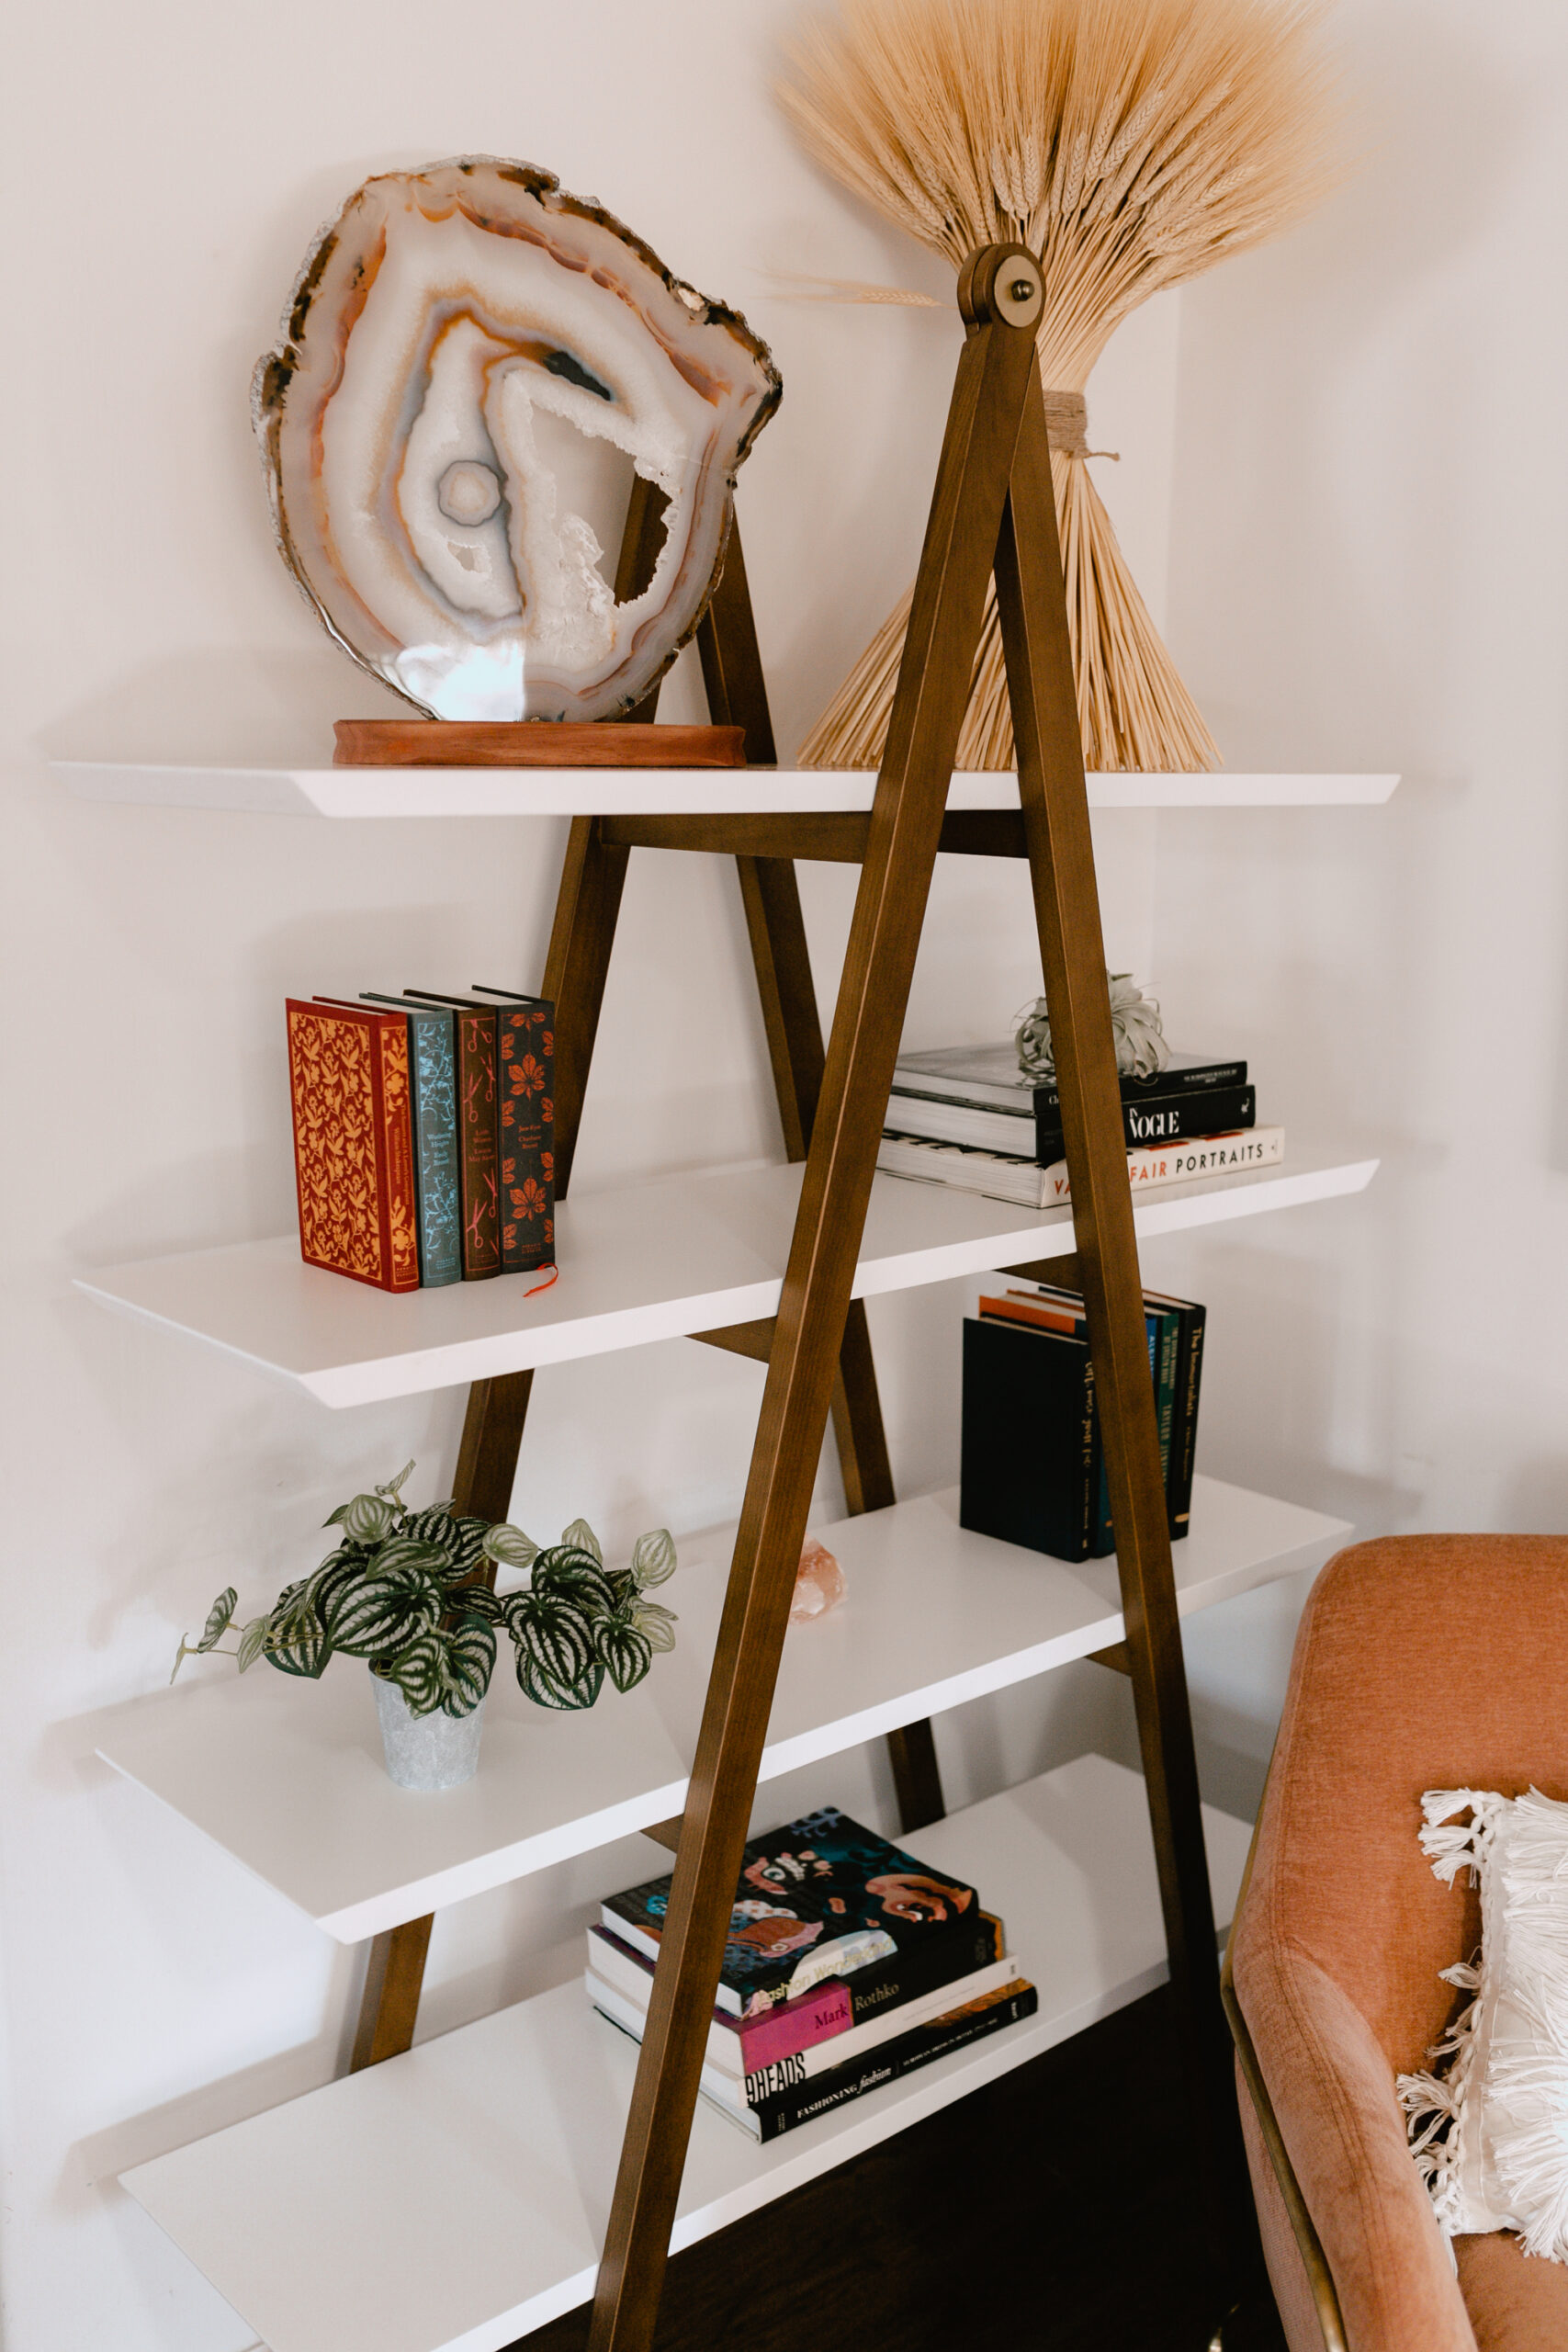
296, 1640
419, 1671
653, 1557
401, 1553
575, 1574
337, 1575
253, 1642
580, 1537
469, 1663
509, 1546
217, 1618
458, 1540
367, 1518
546, 1692
476, 1601
385, 1611
554, 1633
657, 1623
625, 1650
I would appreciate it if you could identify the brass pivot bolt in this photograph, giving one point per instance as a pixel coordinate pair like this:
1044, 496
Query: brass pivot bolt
1018, 291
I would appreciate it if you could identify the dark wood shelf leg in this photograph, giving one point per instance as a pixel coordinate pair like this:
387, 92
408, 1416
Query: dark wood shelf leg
1061, 856
770, 893
995, 365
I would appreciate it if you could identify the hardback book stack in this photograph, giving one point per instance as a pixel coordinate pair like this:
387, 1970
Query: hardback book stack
424, 1135
847, 1964
1033, 1461
967, 1115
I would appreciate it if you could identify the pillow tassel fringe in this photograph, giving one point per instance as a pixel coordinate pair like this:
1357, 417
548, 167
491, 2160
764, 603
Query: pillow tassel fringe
1528, 2126
1525, 2088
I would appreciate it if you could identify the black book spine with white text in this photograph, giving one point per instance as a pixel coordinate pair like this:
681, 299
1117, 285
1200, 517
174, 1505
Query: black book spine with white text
820, 2094
990, 1076
1153, 1118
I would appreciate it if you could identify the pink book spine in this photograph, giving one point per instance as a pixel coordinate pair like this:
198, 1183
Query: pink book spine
778, 2034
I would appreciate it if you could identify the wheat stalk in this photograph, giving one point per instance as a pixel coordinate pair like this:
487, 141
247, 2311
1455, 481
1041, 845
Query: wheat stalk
1130, 144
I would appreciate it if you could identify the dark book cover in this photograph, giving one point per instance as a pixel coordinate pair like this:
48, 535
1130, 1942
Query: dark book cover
1168, 1115
432, 1094
477, 1169
1029, 1459
1184, 1432
348, 1076
990, 1077
1164, 1330
803, 2102
526, 1046
821, 1898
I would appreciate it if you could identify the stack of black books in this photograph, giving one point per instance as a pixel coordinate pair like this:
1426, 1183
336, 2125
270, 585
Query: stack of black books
847, 1964
967, 1115
1033, 1465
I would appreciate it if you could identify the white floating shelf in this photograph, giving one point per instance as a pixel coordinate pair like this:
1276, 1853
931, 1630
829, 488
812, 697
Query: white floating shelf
646, 1262
641, 792
288, 1778
456, 2197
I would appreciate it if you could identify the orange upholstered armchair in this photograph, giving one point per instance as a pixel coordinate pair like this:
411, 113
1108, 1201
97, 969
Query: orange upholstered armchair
1422, 1662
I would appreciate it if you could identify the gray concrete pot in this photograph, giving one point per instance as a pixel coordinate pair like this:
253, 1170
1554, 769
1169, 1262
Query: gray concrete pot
427, 1751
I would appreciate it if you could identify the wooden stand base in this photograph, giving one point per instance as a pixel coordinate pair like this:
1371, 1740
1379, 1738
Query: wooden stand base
531, 744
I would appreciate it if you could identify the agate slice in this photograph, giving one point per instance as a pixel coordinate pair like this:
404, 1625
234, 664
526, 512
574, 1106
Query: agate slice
471, 359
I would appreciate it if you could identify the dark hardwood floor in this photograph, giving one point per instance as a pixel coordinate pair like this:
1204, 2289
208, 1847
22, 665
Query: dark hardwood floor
1052, 2209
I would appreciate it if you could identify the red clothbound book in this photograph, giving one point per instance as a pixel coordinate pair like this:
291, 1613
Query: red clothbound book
349, 1074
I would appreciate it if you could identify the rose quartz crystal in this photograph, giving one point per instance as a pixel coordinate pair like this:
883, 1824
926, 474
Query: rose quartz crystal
819, 1583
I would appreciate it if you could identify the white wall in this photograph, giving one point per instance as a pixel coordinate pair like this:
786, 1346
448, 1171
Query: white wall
171, 165
1368, 565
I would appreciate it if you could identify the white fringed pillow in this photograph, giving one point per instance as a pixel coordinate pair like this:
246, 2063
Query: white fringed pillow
1489, 2128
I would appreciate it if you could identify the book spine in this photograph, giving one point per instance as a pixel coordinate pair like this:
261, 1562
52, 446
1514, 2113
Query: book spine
1184, 1448
782, 2034
339, 1144
527, 1135
906, 1976
765, 2078
1160, 1118
399, 1196
1181, 1164
434, 1091
1207, 1078
735, 2042
1168, 1326
787, 2109
838, 2007
476, 1112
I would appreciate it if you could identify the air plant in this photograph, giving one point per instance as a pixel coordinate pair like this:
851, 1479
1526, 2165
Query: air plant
1129, 144
1135, 1025
411, 1592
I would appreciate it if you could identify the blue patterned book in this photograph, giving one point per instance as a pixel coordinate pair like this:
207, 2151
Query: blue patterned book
432, 1085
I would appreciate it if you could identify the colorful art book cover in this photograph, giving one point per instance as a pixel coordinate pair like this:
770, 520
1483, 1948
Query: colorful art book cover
817, 1899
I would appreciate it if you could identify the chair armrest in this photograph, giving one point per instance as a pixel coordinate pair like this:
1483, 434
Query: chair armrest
1329, 2091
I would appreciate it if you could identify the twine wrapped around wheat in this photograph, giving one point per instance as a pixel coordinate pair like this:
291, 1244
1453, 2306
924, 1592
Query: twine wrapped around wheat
1130, 144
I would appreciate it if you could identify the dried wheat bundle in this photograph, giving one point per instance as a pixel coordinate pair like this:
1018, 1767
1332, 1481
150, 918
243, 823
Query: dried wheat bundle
1130, 144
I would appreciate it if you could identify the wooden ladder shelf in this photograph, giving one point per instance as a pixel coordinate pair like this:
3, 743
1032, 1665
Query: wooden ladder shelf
993, 511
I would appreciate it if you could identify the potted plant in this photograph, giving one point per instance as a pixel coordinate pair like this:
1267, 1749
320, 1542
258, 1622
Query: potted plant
412, 1593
